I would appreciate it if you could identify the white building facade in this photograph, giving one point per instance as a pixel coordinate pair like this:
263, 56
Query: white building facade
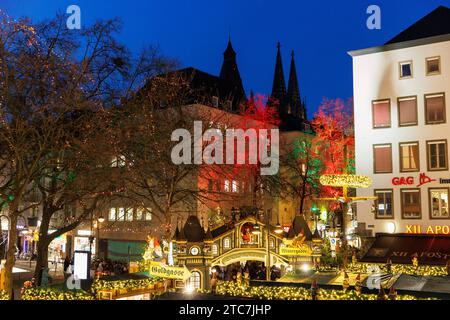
402, 132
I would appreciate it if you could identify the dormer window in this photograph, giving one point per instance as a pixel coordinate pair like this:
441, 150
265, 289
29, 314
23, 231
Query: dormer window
215, 102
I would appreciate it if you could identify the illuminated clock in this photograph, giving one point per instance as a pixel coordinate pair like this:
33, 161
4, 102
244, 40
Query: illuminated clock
195, 251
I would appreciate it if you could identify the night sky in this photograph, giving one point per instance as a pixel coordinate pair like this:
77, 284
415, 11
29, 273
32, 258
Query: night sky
196, 32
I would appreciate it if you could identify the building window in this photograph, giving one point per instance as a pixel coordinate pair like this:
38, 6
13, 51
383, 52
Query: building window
409, 156
437, 155
195, 280
121, 214
382, 157
384, 204
112, 214
215, 102
407, 111
433, 65
234, 186
118, 161
226, 186
439, 203
226, 243
410, 200
214, 249
139, 213
381, 114
435, 108
406, 69
129, 216
272, 243
210, 185
148, 214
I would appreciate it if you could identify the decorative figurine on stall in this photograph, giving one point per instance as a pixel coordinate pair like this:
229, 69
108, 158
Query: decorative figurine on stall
381, 294
448, 267
392, 294
246, 277
314, 290
354, 259
358, 283
214, 282
239, 277
415, 262
389, 265
346, 282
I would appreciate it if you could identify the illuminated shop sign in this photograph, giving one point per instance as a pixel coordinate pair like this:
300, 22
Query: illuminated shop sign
418, 229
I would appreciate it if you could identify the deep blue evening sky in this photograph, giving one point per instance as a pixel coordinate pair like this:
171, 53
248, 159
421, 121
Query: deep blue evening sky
196, 32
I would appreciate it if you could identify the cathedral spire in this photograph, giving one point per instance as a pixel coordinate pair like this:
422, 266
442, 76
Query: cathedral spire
279, 85
230, 77
293, 93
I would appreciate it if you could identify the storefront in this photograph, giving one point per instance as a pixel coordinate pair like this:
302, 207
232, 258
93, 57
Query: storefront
402, 248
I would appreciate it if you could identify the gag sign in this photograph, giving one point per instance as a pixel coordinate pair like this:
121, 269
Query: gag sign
408, 181
158, 269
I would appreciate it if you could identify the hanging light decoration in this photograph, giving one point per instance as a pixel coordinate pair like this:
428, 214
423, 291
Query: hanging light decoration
256, 228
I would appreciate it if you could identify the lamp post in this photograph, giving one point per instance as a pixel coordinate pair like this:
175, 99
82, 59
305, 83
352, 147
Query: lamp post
97, 244
257, 230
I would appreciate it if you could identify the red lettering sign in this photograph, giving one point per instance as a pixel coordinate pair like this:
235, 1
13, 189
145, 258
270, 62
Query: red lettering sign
423, 179
397, 181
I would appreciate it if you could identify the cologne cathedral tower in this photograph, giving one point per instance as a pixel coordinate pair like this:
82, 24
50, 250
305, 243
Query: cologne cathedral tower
292, 108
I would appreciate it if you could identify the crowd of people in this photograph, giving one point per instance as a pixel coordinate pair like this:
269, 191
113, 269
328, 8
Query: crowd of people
251, 270
106, 267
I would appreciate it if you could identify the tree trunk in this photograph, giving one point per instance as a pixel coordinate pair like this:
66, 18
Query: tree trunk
42, 258
42, 246
10, 254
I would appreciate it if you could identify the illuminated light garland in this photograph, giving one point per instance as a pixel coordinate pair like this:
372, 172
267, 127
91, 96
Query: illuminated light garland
294, 293
435, 271
3, 295
50, 294
126, 284
345, 180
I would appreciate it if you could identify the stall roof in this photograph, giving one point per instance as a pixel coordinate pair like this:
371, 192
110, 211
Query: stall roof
401, 248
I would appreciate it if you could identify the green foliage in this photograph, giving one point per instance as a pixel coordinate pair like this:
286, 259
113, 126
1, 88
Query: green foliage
54, 294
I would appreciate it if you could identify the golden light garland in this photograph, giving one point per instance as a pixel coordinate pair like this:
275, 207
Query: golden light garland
232, 289
53, 294
3, 295
345, 180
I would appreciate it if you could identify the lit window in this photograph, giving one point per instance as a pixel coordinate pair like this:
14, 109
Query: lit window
226, 243
148, 214
118, 161
214, 249
410, 203
409, 156
129, 214
384, 204
272, 243
381, 114
382, 155
194, 280
234, 186
407, 111
437, 155
226, 186
112, 214
435, 108
439, 203
433, 66
139, 213
406, 69
121, 214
